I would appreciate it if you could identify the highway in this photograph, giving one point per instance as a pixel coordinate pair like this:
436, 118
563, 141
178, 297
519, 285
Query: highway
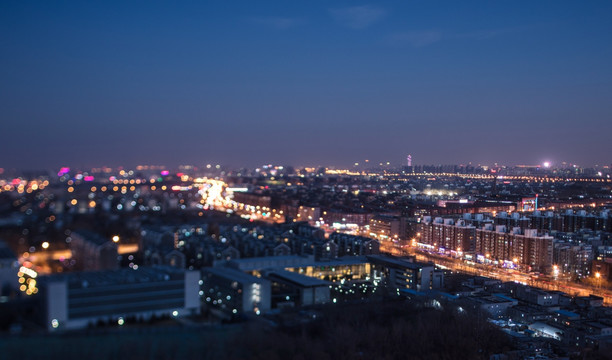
541, 281
217, 196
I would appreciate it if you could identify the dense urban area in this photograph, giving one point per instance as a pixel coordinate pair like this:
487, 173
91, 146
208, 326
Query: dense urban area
440, 261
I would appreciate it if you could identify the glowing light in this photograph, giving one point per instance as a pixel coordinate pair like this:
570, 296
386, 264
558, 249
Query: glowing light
546, 164
29, 272
45, 245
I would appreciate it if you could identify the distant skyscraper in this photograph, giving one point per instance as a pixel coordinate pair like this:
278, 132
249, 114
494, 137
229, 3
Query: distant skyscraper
409, 159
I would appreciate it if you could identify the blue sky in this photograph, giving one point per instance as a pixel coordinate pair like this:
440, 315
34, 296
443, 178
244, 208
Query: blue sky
305, 83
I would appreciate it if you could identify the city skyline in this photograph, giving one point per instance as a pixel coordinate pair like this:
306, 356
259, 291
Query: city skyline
357, 166
318, 83
291, 180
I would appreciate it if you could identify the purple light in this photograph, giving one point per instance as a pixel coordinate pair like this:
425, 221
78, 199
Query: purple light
63, 171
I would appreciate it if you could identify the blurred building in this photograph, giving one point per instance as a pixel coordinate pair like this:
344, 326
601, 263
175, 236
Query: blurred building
527, 250
573, 258
93, 251
9, 267
517, 247
293, 289
352, 245
387, 227
81, 299
401, 274
231, 293
447, 235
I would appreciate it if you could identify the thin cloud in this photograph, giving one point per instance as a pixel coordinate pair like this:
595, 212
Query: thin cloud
414, 38
428, 37
278, 22
358, 17
488, 34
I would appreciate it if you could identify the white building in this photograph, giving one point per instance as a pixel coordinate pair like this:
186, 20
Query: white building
233, 292
77, 300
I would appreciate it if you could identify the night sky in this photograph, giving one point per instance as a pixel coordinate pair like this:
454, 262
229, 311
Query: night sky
245, 83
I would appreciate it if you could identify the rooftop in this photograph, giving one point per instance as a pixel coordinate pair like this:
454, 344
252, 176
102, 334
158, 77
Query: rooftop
232, 274
567, 313
297, 279
91, 279
397, 262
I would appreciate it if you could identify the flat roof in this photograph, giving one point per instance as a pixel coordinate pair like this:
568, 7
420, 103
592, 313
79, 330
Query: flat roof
258, 263
567, 313
398, 262
93, 279
232, 274
412, 292
345, 260
298, 279
489, 299
291, 261
267, 258
504, 297
447, 295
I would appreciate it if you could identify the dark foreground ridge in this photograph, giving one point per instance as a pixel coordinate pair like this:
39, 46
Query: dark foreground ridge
395, 329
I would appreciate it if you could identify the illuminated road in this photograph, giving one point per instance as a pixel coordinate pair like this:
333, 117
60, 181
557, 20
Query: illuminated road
542, 282
217, 196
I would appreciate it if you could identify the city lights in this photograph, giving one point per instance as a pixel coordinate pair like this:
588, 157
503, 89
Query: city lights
359, 180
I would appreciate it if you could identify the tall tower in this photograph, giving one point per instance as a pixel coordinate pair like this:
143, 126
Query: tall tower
409, 160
